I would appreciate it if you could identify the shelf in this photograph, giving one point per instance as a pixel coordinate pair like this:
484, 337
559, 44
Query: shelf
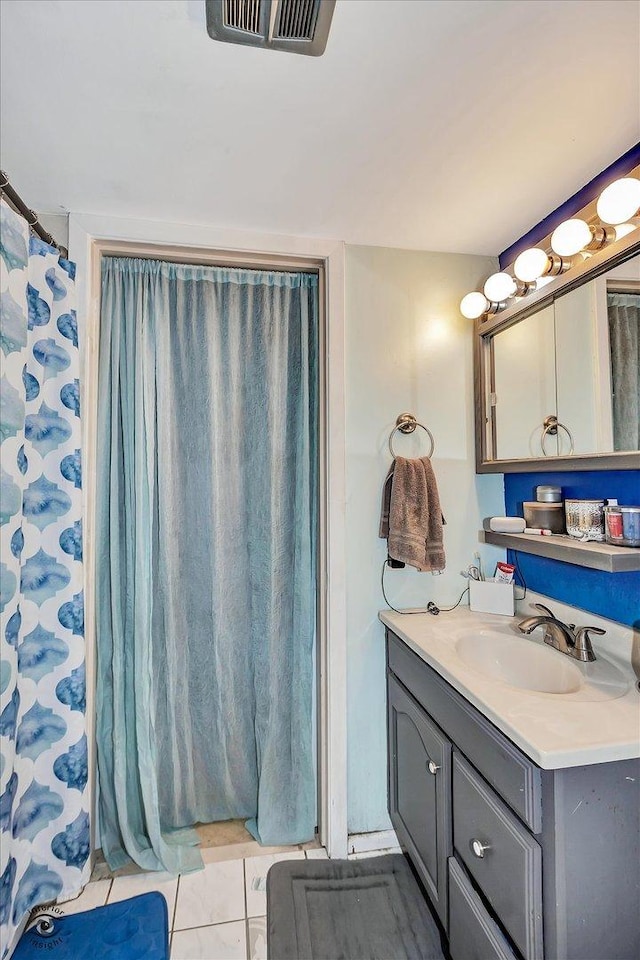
598, 556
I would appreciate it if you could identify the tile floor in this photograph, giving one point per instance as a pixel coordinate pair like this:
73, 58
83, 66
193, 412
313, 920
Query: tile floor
215, 914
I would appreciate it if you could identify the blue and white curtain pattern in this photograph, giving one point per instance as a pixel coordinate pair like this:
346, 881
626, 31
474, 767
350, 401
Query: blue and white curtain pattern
44, 818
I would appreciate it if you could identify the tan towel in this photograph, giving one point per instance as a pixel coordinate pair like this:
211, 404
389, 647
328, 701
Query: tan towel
411, 518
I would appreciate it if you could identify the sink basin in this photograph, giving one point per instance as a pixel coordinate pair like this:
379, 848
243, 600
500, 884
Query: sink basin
535, 667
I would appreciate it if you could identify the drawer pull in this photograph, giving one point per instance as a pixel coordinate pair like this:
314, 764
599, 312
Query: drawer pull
432, 767
478, 848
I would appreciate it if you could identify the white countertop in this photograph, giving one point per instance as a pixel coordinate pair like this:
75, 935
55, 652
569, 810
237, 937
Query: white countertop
554, 730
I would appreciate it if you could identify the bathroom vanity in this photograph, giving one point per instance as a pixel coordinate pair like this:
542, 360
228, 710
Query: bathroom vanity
518, 799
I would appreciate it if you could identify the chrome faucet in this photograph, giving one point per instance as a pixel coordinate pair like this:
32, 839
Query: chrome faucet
563, 636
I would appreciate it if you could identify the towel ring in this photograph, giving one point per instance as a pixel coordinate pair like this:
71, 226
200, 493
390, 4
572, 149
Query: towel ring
550, 428
407, 423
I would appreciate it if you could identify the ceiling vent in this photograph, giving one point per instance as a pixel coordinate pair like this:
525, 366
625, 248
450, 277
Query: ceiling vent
298, 26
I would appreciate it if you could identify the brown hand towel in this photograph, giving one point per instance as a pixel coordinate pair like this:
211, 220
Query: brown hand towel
411, 517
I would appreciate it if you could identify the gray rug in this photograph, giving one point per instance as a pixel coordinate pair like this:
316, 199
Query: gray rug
368, 909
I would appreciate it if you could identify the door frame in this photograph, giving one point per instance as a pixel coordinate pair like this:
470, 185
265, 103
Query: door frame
92, 236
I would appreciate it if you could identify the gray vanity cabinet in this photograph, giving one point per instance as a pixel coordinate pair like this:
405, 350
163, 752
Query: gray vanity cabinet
419, 799
520, 863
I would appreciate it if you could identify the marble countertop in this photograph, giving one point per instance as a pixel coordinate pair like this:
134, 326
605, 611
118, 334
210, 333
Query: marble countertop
554, 730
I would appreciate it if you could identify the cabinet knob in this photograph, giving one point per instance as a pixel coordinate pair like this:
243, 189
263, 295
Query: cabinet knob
478, 848
432, 767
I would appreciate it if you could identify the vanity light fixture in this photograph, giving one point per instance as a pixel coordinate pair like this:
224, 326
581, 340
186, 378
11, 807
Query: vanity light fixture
499, 287
618, 210
474, 305
575, 235
534, 263
620, 201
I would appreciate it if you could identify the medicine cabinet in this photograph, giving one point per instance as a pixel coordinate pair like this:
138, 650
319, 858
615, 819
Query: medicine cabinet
557, 374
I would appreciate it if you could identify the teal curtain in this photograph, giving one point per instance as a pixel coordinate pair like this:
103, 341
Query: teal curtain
624, 343
206, 527
44, 798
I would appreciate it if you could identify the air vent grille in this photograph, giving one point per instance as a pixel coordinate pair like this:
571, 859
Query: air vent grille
242, 15
296, 19
295, 26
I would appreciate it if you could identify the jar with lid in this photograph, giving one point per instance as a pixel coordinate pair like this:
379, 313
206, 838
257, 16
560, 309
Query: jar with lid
549, 515
548, 493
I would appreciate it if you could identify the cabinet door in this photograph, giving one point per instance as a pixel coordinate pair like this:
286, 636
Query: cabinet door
420, 791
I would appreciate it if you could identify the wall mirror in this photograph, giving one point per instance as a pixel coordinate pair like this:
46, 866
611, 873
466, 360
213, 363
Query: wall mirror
558, 372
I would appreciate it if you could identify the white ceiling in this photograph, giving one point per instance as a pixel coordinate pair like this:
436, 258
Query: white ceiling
448, 125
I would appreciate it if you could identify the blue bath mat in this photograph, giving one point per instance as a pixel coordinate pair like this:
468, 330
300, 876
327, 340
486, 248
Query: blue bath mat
135, 929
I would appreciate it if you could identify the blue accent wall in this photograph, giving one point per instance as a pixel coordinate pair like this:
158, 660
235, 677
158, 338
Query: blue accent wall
612, 595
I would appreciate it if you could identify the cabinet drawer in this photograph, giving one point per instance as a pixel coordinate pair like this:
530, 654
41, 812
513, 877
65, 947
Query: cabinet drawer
473, 934
501, 855
419, 791
515, 777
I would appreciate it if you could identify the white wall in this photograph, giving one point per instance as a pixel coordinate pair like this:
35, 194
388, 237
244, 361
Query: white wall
407, 349
58, 225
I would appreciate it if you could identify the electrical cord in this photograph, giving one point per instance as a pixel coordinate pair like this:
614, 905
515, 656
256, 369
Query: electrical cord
431, 606
519, 572
456, 604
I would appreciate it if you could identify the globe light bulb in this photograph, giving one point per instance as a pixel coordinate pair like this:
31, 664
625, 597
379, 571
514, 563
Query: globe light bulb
499, 287
571, 237
531, 265
473, 305
620, 201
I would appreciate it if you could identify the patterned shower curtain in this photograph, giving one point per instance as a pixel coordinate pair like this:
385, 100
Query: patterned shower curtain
44, 819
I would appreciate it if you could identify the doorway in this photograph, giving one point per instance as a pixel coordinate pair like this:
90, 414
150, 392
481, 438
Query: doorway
206, 532
95, 236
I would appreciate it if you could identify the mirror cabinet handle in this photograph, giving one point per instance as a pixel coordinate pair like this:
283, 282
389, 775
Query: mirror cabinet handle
432, 768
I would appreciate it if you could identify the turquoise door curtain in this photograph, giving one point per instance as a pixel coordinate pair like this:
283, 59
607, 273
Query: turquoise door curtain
207, 451
44, 811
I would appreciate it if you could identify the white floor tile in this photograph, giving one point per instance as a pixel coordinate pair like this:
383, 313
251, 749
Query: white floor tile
256, 869
317, 853
94, 895
212, 895
123, 888
257, 938
223, 941
239, 851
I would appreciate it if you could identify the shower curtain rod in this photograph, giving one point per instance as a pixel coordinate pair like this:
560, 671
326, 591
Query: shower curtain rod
30, 215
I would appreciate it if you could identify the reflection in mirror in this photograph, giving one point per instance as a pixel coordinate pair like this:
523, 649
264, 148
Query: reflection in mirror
623, 309
524, 385
577, 359
578, 370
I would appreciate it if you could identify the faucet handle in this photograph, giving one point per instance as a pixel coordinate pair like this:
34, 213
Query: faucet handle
583, 649
545, 610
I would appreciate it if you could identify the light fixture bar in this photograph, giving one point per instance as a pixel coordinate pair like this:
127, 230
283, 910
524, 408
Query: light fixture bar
580, 236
